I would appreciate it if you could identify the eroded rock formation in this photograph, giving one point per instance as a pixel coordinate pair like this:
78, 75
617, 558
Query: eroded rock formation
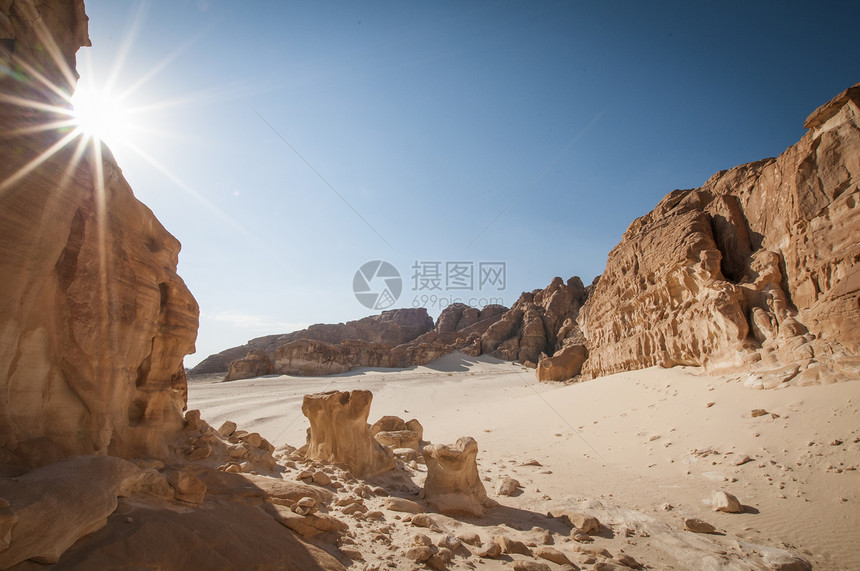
339, 432
94, 320
758, 267
540, 322
255, 364
393, 327
453, 485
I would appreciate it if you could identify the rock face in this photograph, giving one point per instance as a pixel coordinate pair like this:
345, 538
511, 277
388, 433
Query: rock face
453, 485
566, 363
339, 432
756, 267
540, 322
255, 364
397, 338
392, 328
312, 358
94, 321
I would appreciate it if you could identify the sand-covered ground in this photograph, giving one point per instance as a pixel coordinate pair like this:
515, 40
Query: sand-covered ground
642, 450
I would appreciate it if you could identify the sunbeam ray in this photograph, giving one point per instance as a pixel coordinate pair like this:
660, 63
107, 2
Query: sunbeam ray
166, 172
37, 161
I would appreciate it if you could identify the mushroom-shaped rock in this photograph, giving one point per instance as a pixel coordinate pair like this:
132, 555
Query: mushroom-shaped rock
453, 486
339, 432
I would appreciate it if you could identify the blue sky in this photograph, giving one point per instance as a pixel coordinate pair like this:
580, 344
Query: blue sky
428, 119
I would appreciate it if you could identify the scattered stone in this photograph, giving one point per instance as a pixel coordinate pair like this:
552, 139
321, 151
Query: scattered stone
353, 554
666, 507
627, 561
450, 542
742, 460
403, 505
305, 506
227, 429
424, 520
440, 559
507, 487
526, 565
551, 554
421, 539
531, 462
321, 479
511, 546
354, 508
698, 526
420, 553
470, 538
489, 550
580, 536
726, 502
756, 412
587, 523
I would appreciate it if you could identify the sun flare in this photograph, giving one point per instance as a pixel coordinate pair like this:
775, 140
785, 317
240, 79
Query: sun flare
100, 115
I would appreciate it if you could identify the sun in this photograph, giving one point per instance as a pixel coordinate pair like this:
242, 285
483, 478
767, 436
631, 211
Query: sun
100, 115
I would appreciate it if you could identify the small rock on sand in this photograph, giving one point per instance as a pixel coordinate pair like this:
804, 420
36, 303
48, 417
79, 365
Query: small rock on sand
698, 526
726, 502
507, 487
551, 554
420, 554
470, 538
525, 565
403, 505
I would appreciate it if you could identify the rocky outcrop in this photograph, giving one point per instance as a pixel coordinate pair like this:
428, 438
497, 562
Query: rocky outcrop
758, 267
565, 364
255, 364
339, 432
94, 320
313, 358
540, 322
453, 485
393, 327
386, 340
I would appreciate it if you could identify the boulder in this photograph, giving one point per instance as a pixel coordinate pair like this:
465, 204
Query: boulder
726, 502
339, 432
255, 364
453, 485
52, 507
564, 364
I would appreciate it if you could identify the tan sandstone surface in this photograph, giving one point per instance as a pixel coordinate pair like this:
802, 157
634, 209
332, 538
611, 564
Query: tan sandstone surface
756, 268
652, 454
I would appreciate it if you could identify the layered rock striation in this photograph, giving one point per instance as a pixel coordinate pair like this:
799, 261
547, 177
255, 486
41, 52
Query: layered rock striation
94, 320
757, 267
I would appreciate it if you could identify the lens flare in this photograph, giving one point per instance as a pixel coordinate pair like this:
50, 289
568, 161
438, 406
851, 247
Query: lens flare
100, 116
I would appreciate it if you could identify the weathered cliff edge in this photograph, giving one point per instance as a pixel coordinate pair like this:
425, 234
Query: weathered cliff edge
755, 269
94, 320
96, 456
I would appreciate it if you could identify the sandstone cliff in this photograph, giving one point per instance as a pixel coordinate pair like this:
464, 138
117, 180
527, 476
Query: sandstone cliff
396, 338
94, 321
758, 267
392, 327
543, 321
